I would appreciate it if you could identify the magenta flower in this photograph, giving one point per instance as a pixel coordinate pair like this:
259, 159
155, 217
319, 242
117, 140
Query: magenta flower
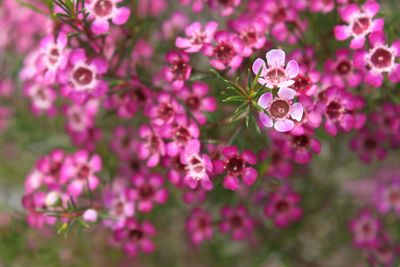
237, 222
389, 197
135, 236
227, 52
236, 165
360, 23
341, 110
380, 59
32, 203
123, 143
199, 226
312, 118
196, 36
84, 77
282, 207
198, 167
387, 121
365, 229
179, 69
165, 111
198, 102
118, 203
368, 145
280, 112
128, 102
79, 172
147, 189
152, 148
54, 55
181, 133
301, 147
226, 7
341, 71
81, 117
280, 165
276, 75
252, 33
43, 98
101, 11
197, 5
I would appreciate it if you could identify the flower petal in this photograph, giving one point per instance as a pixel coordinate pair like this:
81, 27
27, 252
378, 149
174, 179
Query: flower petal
265, 100
286, 93
284, 125
265, 120
276, 58
296, 111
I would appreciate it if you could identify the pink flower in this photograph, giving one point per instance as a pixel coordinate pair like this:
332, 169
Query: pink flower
280, 112
90, 215
199, 226
147, 189
124, 143
165, 111
280, 165
282, 207
196, 36
54, 55
198, 102
389, 197
341, 71
32, 203
198, 167
182, 132
237, 222
79, 172
152, 148
276, 75
341, 110
365, 229
226, 7
360, 23
118, 203
197, 5
84, 77
312, 118
43, 98
227, 52
252, 33
236, 165
179, 70
101, 11
129, 98
380, 59
301, 147
387, 121
368, 145
135, 236
81, 117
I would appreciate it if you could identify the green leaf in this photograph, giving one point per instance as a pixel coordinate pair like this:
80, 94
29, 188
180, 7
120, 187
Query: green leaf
235, 98
31, 7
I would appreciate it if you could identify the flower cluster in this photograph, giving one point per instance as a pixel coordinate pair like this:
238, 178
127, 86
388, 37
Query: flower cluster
172, 114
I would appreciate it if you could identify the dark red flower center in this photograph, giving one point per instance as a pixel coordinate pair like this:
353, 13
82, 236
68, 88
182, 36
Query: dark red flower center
276, 75
224, 52
182, 135
103, 8
193, 102
83, 76
235, 165
334, 110
279, 109
361, 25
370, 143
83, 172
165, 111
302, 83
282, 206
381, 58
136, 234
344, 67
236, 221
146, 191
301, 141
179, 68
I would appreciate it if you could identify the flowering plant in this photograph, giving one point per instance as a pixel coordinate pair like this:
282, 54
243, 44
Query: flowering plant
211, 120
